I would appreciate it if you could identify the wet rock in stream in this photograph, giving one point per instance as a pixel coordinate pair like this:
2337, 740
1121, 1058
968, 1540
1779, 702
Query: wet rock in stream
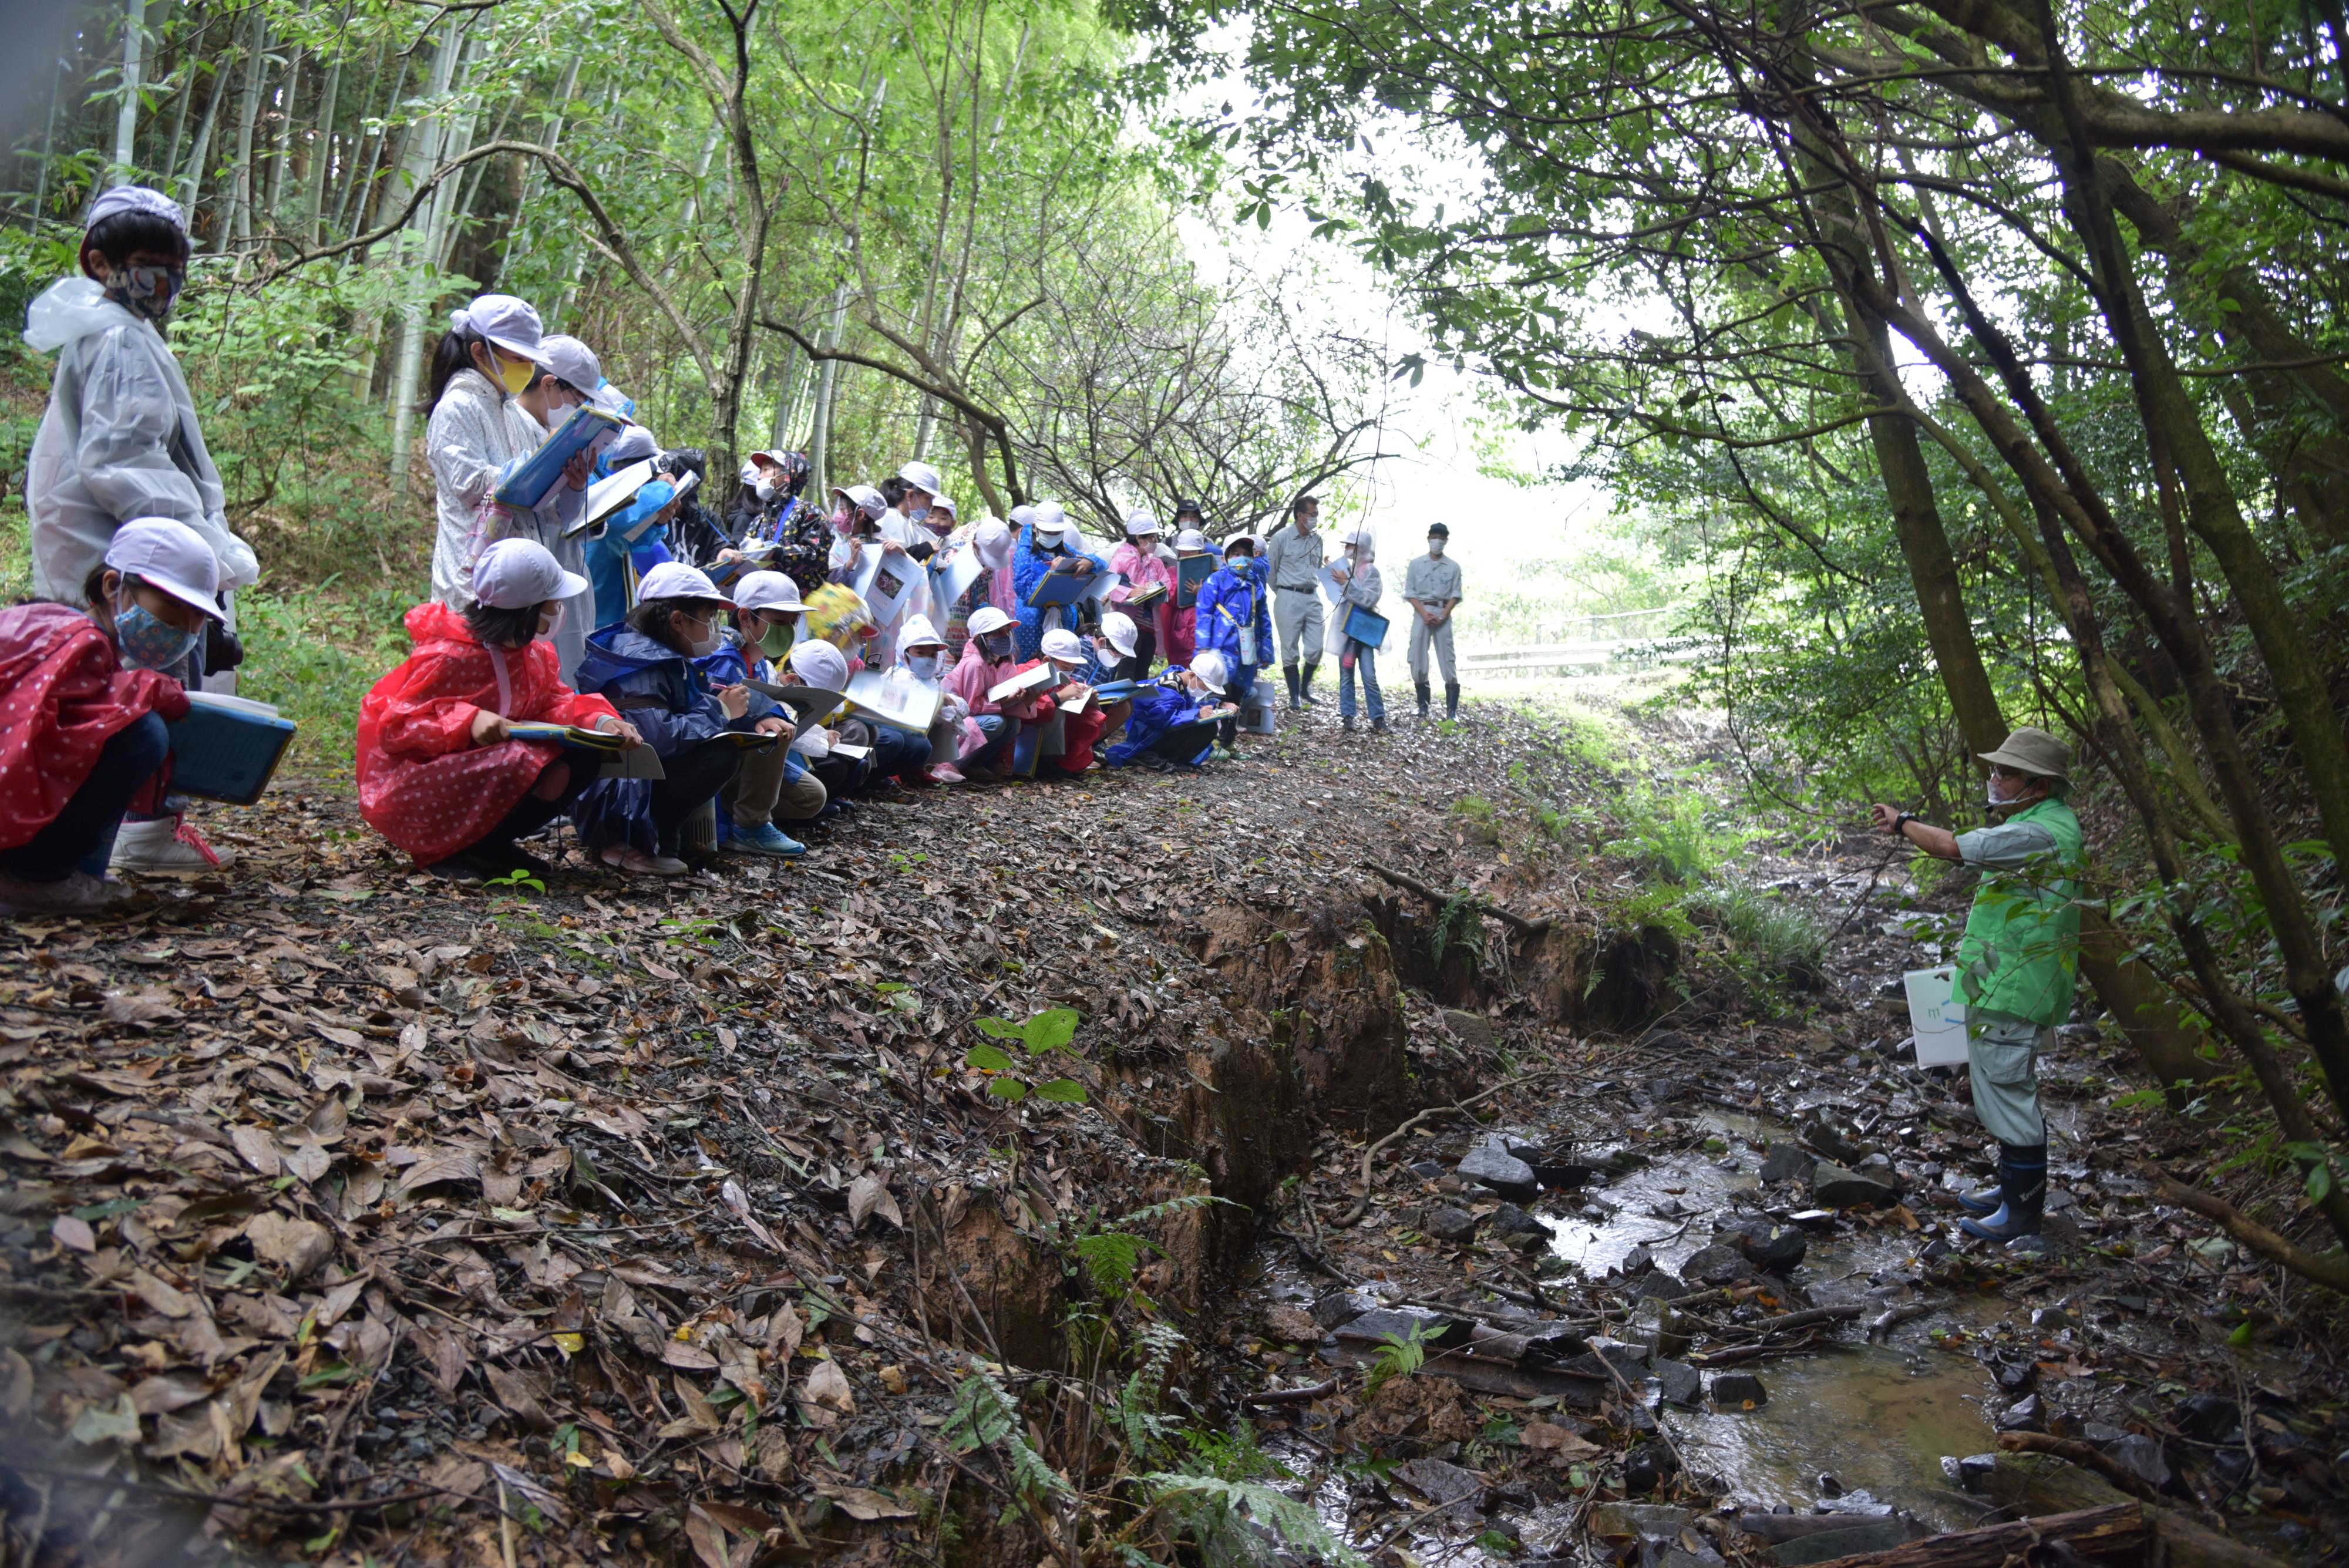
1489, 1162
1786, 1162
1834, 1187
1738, 1391
1449, 1223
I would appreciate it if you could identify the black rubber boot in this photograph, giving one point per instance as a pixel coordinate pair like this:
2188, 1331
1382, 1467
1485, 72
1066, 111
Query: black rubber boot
1452, 699
1346, 722
1421, 687
1986, 1200
1288, 673
1379, 725
1305, 682
2022, 1176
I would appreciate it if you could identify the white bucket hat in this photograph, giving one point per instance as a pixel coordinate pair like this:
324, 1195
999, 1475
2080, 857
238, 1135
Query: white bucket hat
513, 572
676, 580
768, 591
170, 558
510, 323
1119, 627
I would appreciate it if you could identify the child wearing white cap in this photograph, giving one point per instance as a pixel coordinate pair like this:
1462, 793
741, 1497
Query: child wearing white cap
989, 659
645, 667
83, 713
1066, 652
1173, 724
922, 658
439, 774
477, 432
1051, 545
120, 438
771, 787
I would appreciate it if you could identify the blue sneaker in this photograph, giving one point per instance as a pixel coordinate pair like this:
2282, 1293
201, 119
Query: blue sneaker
765, 839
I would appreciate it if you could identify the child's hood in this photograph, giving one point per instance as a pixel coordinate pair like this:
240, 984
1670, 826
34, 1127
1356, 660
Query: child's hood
71, 308
433, 621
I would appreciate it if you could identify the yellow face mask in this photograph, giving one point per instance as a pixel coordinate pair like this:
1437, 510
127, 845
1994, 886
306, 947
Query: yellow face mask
513, 374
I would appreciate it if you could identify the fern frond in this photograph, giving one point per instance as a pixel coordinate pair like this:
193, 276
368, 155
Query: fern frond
1231, 1519
986, 1417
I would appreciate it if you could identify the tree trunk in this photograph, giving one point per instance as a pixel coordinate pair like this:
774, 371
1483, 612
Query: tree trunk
192, 183
273, 212
414, 243
126, 118
248, 112
827, 388
322, 157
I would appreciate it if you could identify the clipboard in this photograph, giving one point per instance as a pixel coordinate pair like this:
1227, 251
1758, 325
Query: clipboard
954, 576
1366, 627
611, 493
1936, 1015
227, 747
1056, 590
887, 581
869, 694
527, 485
805, 704
1190, 573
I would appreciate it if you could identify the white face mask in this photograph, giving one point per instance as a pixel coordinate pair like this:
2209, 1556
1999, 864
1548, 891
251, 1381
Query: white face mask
766, 489
707, 644
1436, 547
549, 621
1991, 795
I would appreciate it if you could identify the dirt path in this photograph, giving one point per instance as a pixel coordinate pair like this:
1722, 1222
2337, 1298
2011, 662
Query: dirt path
356, 1211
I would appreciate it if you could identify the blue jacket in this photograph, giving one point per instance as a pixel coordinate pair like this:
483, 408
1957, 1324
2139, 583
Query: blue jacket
609, 552
1226, 603
628, 667
1156, 709
1028, 569
730, 666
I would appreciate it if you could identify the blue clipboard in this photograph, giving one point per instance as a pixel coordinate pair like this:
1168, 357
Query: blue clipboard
1190, 572
227, 747
1366, 627
1058, 588
527, 485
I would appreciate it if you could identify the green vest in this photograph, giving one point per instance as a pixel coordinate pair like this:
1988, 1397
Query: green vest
2020, 957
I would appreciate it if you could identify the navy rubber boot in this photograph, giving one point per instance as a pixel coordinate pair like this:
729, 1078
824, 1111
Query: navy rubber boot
2022, 1178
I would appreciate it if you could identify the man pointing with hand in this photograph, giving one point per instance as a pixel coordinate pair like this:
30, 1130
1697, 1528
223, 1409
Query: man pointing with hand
2017, 962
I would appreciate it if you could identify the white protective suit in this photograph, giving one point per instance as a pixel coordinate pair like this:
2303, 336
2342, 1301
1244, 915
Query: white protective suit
120, 441
475, 434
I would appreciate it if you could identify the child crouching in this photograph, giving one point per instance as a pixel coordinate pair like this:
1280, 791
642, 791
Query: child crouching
438, 775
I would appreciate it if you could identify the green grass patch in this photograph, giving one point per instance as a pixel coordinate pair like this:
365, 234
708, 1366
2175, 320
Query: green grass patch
314, 655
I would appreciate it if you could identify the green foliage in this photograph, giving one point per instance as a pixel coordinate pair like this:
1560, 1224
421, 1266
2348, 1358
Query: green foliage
314, 655
986, 1417
1773, 935
1398, 1355
1678, 836
1048, 1030
1218, 1514
1459, 927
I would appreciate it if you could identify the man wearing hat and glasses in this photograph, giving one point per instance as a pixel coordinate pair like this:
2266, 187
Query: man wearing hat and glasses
2017, 962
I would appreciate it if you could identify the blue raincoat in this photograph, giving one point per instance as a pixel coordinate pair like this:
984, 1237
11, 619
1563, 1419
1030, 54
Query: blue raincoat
1156, 709
611, 553
1028, 569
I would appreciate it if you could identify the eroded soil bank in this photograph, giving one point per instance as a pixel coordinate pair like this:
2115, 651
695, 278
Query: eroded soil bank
359, 1217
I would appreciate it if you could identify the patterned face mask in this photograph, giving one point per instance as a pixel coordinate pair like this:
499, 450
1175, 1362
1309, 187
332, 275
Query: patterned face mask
146, 292
148, 641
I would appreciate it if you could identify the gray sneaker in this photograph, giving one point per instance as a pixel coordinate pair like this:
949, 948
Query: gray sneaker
78, 893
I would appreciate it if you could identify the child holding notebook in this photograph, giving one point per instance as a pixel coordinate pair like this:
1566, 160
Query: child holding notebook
439, 773
84, 701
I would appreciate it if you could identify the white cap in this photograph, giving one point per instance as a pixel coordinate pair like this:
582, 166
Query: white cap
1051, 514
512, 324
1119, 627
1210, 668
866, 499
767, 591
1056, 527
987, 619
820, 664
992, 540
1140, 521
170, 558
1062, 643
676, 580
1022, 515
513, 572
922, 477
1192, 539
568, 359
774, 457
945, 503
918, 632
1250, 540
1355, 536
135, 199
632, 445
610, 399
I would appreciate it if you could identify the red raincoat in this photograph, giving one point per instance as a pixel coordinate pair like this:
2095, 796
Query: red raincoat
62, 697
423, 783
